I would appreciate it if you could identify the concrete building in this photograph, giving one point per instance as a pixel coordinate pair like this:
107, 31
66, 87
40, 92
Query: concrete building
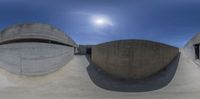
192, 49
84, 49
34, 49
133, 58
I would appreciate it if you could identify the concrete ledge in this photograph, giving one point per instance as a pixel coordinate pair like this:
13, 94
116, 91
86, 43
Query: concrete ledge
35, 31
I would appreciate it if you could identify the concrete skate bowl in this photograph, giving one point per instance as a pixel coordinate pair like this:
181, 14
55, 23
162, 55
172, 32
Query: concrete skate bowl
133, 65
34, 49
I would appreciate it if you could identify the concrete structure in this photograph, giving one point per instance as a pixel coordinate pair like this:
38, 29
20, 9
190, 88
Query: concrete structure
132, 58
79, 79
35, 31
34, 49
72, 82
84, 49
192, 49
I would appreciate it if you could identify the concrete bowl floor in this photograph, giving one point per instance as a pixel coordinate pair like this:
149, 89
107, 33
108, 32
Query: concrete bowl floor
154, 82
74, 82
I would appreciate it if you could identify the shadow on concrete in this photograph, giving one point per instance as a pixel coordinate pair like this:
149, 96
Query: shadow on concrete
151, 83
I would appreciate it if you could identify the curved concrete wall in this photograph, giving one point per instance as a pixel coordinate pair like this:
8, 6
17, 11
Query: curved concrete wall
34, 58
189, 48
133, 59
35, 31
34, 49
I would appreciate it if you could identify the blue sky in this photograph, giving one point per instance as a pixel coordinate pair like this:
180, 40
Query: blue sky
173, 22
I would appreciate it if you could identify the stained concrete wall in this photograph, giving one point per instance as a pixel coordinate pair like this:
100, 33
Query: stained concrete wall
34, 49
189, 50
37, 31
133, 59
34, 58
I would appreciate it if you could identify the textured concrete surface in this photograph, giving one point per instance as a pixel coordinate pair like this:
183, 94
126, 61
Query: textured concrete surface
132, 58
34, 49
154, 82
34, 58
36, 31
73, 82
189, 48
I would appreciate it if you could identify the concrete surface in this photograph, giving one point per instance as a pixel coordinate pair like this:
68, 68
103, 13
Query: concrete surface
133, 59
190, 50
34, 49
34, 58
154, 82
36, 31
73, 82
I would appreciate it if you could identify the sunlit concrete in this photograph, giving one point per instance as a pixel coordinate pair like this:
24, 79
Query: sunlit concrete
34, 49
35, 31
34, 58
73, 82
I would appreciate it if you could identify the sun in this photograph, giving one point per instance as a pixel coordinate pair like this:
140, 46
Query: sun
101, 21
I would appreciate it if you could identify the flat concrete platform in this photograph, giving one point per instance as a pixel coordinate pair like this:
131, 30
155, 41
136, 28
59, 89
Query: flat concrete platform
73, 82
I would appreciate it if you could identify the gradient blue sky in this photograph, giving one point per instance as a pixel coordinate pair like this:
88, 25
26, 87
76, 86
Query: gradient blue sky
172, 22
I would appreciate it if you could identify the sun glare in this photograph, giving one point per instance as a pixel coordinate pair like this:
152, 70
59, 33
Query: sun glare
101, 21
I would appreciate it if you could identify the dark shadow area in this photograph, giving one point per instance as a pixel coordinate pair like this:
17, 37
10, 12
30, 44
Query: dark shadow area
84, 50
33, 40
88, 51
196, 48
154, 82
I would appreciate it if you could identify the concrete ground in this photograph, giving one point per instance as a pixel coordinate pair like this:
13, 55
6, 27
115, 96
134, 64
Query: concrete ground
74, 82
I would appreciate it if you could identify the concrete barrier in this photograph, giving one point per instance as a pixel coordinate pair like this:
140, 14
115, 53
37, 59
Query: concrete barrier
34, 49
132, 59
